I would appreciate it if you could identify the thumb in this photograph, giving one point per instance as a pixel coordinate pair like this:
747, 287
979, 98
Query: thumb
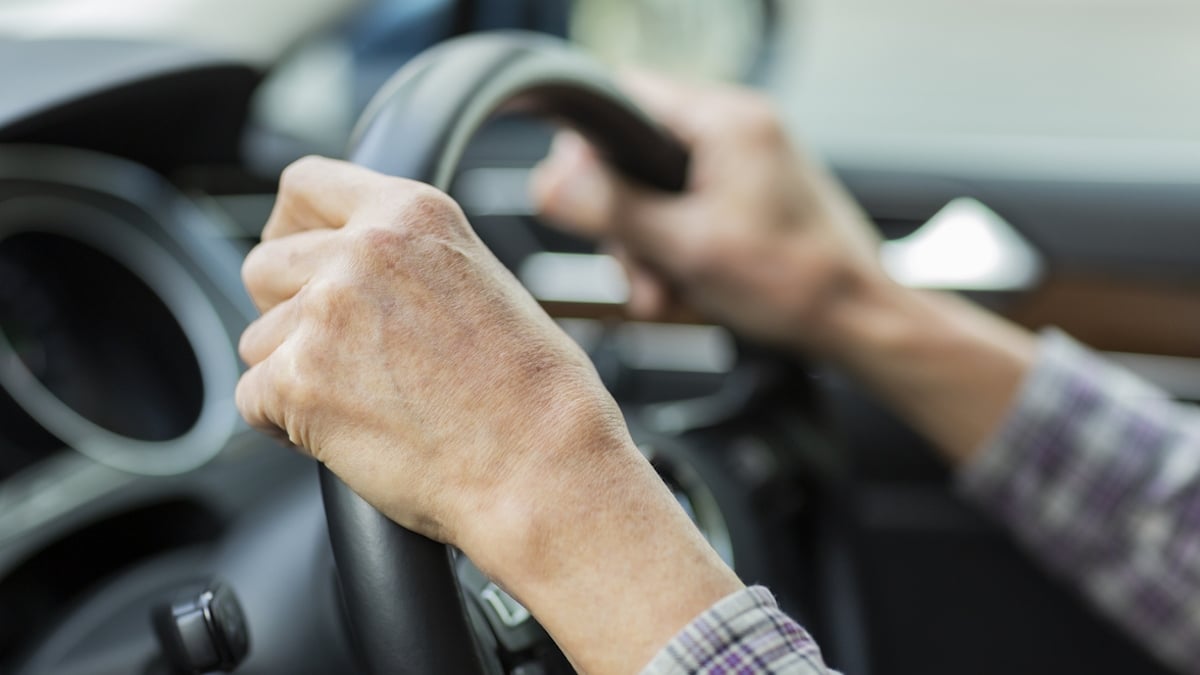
573, 189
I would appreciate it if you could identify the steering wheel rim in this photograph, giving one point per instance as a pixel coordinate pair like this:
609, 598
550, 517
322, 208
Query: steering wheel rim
400, 590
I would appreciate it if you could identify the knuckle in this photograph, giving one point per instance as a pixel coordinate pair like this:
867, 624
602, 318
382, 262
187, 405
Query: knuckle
249, 400
424, 208
298, 183
761, 120
299, 375
377, 242
298, 175
252, 268
319, 295
242, 397
373, 251
245, 343
407, 214
329, 304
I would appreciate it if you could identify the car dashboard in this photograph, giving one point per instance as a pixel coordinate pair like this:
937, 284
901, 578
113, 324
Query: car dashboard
119, 307
127, 202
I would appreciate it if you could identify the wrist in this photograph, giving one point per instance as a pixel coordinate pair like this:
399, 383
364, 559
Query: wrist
950, 368
597, 548
892, 324
861, 310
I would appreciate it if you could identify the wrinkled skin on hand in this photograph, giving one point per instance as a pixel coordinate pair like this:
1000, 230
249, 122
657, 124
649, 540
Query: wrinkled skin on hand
762, 240
395, 349
398, 351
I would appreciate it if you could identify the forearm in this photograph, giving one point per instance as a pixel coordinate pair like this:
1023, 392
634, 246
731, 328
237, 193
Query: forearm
603, 556
947, 367
951, 369
1087, 465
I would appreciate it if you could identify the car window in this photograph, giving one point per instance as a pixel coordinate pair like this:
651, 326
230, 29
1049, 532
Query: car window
1105, 69
259, 31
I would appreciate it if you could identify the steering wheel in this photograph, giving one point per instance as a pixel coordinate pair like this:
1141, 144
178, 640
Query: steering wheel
400, 589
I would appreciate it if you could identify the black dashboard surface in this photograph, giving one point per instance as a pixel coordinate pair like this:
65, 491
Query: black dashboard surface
162, 104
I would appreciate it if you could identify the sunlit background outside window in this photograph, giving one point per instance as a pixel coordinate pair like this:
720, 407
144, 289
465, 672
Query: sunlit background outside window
1037, 88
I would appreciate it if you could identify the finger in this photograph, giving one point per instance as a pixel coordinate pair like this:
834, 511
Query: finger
649, 294
574, 189
258, 401
262, 337
677, 105
318, 192
669, 237
577, 192
276, 270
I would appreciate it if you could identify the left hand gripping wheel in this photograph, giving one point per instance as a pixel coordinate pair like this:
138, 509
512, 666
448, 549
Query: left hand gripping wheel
399, 587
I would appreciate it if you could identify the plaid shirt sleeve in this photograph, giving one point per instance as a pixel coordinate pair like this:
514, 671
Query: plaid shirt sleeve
743, 634
1098, 473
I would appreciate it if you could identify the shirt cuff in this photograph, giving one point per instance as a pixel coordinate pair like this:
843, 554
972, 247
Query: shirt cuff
743, 633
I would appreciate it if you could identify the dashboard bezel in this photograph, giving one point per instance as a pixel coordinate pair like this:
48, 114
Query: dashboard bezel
112, 235
145, 216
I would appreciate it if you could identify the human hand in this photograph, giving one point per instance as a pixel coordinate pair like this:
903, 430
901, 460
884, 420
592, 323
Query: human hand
395, 349
769, 243
763, 239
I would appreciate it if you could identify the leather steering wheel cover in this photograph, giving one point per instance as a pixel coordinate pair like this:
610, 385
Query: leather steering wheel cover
399, 587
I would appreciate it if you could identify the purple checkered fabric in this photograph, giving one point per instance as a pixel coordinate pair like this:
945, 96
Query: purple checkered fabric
744, 634
1097, 472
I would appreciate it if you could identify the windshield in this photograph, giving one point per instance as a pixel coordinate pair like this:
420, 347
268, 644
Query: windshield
1035, 79
255, 30
1113, 70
